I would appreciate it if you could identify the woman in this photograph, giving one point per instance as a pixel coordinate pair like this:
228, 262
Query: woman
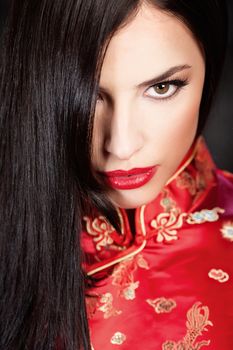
102, 105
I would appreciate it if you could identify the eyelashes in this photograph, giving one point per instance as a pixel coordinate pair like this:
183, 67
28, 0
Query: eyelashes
161, 91
166, 90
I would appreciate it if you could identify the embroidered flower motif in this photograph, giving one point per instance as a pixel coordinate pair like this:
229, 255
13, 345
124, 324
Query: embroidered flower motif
218, 275
204, 215
162, 305
204, 165
107, 307
129, 292
169, 345
167, 203
227, 230
185, 180
123, 276
167, 224
197, 321
101, 230
118, 338
141, 262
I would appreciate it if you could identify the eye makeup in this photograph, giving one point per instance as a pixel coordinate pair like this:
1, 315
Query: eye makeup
177, 84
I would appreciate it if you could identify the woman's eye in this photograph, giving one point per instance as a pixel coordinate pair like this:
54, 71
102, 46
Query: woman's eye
165, 90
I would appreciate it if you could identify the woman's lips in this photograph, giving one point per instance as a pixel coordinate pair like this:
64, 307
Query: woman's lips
130, 179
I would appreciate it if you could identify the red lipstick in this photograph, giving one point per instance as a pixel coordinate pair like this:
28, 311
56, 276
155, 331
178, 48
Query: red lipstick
130, 179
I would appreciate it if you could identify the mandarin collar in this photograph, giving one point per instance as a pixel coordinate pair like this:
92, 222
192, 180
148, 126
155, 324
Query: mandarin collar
179, 202
184, 192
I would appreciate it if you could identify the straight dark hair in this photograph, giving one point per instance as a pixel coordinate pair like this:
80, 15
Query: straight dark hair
50, 66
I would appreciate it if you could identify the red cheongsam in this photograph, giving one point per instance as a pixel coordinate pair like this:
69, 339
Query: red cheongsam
169, 284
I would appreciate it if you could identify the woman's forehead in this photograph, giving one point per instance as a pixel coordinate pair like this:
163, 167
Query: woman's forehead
151, 43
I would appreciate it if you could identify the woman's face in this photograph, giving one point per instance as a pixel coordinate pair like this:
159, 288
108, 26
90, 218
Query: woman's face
147, 112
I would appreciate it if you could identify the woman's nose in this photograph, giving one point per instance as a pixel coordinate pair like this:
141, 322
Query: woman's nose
123, 137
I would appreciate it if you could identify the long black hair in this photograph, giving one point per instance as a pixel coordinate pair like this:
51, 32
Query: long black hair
51, 58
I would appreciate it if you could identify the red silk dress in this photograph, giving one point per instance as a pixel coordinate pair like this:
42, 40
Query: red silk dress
169, 285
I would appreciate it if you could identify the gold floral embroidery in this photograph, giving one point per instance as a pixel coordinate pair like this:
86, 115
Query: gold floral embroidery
197, 321
204, 165
204, 215
227, 231
129, 292
118, 338
167, 203
218, 275
107, 307
123, 276
162, 305
167, 224
141, 262
170, 345
101, 230
185, 180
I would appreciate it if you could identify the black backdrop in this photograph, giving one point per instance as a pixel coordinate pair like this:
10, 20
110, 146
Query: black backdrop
219, 130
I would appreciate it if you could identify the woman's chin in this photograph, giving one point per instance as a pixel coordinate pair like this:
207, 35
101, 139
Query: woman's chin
130, 199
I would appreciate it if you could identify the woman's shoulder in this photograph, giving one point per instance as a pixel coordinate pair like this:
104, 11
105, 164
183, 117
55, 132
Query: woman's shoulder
227, 175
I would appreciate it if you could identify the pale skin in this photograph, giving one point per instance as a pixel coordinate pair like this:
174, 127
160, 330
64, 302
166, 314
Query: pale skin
137, 125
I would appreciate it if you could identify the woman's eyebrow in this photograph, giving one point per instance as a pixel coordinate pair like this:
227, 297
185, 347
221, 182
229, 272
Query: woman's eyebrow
164, 75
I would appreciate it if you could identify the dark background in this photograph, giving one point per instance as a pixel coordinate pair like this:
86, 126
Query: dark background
219, 130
